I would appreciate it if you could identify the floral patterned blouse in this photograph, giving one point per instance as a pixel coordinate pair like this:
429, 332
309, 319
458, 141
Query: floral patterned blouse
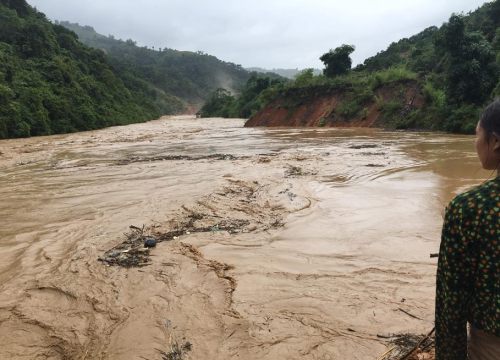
468, 279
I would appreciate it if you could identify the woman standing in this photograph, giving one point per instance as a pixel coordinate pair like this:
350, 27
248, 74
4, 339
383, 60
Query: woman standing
468, 278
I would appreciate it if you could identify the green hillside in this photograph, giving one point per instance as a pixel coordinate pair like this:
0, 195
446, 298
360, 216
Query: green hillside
253, 96
455, 68
51, 83
191, 76
456, 65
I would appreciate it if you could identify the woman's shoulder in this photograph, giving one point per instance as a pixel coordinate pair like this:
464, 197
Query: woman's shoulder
477, 196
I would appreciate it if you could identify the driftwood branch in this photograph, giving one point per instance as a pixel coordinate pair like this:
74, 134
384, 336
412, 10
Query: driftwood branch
409, 314
382, 357
408, 354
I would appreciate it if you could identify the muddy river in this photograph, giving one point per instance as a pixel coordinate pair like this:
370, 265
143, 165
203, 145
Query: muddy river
289, 243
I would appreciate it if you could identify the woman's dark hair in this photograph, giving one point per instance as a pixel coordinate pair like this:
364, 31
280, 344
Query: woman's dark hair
490, 120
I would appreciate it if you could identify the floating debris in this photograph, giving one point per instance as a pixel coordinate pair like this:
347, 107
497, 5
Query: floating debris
231, 209
136, 159
177, 352
409, 347
135, 250
149, 242
363, 146
297, 171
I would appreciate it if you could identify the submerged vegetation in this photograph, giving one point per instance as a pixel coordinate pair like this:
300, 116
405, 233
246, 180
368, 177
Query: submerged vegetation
455, 69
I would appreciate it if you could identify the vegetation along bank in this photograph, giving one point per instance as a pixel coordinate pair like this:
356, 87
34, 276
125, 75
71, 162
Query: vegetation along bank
439, 79
62, 77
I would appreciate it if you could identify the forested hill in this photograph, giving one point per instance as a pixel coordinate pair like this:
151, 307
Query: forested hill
439, 79
51, 83
191, 76
456, 65
425, 51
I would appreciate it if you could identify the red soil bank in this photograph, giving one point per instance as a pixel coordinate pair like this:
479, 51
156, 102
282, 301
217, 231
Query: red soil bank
319, 110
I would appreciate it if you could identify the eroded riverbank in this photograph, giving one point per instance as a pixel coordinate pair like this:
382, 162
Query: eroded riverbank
329, 245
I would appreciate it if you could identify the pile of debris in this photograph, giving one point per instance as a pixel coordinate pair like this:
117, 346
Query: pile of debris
294, 171
177, 352
410, 347
236, 208
136, 159
133, 252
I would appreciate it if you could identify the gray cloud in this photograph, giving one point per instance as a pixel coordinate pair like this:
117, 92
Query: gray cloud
266, 33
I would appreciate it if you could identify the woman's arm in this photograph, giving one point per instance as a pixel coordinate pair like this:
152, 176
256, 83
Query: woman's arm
453, 284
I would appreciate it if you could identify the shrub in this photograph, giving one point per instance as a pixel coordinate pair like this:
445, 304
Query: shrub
496, 91
304, 78
364, 113
393, 74
391, 109
463, 119
218, 104
436, 97
348, 109
355, 103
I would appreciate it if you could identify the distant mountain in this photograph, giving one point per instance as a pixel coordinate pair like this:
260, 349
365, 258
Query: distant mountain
191, 76
51, 83
287, 73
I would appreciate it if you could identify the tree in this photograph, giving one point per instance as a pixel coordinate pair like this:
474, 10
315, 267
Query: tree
338, 61
496, 41
470, 68
495, 12
218, 104
305, 77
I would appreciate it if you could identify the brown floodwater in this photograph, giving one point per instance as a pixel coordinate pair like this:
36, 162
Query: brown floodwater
338, 228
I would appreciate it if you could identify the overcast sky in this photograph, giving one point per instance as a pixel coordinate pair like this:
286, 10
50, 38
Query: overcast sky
264, 33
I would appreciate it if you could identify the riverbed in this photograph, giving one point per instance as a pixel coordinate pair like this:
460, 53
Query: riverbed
325, 250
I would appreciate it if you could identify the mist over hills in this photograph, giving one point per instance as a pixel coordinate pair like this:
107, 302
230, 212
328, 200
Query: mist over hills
57, 80
191, 76
287, 73
51, 83
66, 77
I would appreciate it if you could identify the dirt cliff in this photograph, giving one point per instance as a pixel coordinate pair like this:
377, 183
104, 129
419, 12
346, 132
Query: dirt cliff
309, 107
